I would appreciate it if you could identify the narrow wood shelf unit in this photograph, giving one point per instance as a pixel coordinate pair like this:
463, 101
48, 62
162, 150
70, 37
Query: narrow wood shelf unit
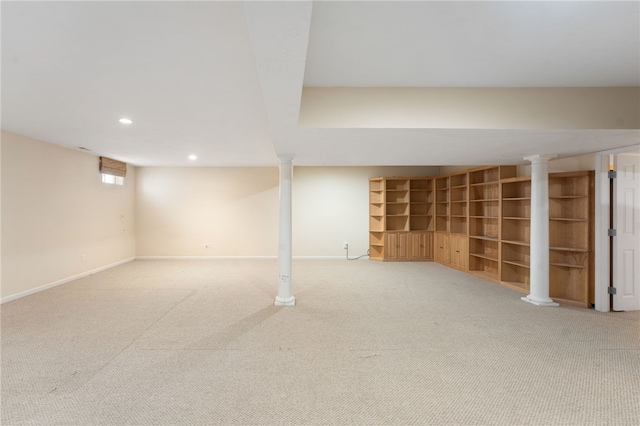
401, 218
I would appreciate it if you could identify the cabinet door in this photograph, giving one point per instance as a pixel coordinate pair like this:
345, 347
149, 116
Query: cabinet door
390, 246
459, 252
441, 248
396, 246
403, 246
421, 246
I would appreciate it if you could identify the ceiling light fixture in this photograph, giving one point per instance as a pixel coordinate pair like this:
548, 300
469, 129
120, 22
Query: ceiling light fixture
125, 121
193, 157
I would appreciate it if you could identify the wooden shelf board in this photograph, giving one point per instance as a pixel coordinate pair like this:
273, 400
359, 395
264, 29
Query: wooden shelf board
459, 215
561, 197
517, 199
483, 256
567, 265
484, 217
493, 182
458, 201
580, 303
516, 243
516, 218
522, 287
459, 186
485, 275
482, 200
397, 215
567, 219
377, 245
484, 237
579, 250
516, 263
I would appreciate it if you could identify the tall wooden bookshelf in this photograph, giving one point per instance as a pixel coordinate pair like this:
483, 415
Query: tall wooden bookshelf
516, 230
442, 204
458, 204
571, 237
484, 219
401, 218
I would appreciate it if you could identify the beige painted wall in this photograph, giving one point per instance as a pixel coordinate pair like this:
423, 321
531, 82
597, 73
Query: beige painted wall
235, 211
52, 217
471, 108
180, 211
331, 206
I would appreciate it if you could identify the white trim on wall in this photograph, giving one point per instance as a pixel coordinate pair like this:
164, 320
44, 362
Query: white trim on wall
63, 281
235, 257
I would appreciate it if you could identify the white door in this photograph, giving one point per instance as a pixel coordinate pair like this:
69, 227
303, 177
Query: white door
626, 250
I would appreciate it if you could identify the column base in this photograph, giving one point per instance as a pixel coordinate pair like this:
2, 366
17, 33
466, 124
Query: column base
547, 302
290, 301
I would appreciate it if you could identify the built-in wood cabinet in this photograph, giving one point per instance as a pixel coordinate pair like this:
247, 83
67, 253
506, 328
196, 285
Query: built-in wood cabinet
396, 245
421, 245
442, 252
401, 218
480, 221
458, 245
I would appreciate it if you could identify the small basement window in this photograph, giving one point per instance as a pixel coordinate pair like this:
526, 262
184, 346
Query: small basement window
112, 171
115, 180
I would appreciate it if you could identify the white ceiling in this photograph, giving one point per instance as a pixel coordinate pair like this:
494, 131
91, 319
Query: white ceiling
223, 80
474, 44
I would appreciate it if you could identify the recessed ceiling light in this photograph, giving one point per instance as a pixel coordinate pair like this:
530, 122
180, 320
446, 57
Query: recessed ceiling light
125, 121
193, 157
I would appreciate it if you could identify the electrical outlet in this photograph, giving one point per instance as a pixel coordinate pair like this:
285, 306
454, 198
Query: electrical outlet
345, 245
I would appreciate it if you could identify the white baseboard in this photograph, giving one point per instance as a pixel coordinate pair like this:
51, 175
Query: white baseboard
235, 257
203, 257
62, 281
318, 257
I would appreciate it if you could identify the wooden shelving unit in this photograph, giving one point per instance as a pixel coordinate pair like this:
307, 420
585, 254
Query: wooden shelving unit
571, 212
480, 221
442, 204
421, 205
516, 230
484, 219
376, 218
458, 204
401, 218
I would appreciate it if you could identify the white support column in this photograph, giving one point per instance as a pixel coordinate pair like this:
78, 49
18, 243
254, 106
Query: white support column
539, 280
284, 297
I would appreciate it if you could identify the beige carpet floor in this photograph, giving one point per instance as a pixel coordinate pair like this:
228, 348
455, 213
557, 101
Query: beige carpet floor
198, 342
